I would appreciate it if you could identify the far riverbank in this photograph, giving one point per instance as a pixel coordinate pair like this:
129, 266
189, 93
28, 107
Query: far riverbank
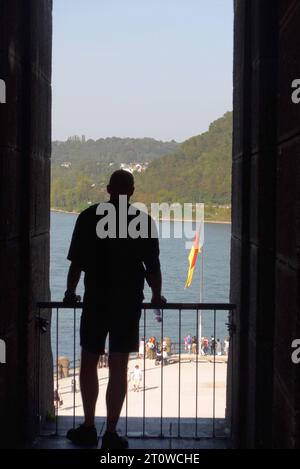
57, 210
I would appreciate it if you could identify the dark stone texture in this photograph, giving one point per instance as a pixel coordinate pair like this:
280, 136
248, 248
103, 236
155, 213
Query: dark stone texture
288, 69
287, 194
25, 147
285, 325
265, 231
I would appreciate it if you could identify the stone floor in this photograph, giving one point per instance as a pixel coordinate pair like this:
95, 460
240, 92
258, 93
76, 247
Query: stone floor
205, 440
160, 389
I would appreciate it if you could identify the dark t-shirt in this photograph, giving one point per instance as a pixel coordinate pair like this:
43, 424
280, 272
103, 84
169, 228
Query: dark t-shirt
114, 267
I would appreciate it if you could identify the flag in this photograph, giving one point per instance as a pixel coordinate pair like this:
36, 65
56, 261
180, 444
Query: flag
195, 250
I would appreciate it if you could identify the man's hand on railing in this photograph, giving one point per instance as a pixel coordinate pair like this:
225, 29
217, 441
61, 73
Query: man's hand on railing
158, 301
71, 298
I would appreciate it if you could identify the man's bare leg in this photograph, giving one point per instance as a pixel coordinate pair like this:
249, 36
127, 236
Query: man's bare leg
117, 387
89, 385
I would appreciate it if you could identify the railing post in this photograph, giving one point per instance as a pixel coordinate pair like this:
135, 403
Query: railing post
74, 365
144, 372
161, 374
57, 392
38, 368
179, 374
214, 379
126, 407
197, 352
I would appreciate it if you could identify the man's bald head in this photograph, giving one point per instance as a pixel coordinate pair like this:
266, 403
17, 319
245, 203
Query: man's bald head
121, 183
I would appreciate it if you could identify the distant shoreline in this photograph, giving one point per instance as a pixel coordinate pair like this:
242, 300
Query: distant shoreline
216, 222
63, 211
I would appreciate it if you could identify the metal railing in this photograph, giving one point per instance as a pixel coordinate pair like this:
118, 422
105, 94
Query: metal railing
176, 356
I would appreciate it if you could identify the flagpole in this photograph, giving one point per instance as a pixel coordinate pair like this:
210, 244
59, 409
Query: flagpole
201, 295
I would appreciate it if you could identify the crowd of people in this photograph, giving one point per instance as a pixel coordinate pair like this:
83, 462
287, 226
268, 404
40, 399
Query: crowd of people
209, 346
155, 350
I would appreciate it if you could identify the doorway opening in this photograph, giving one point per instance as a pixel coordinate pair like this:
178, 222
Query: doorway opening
140, 89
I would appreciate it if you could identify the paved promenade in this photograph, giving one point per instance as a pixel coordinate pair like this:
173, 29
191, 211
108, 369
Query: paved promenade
162, 389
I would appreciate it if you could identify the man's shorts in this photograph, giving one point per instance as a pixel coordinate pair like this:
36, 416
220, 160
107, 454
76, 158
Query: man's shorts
121, 323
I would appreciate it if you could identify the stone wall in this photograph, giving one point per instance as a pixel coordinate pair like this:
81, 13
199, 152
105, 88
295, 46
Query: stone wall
25, 146
265, 231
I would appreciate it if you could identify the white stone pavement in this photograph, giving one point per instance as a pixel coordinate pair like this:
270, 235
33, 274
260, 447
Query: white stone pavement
152, 386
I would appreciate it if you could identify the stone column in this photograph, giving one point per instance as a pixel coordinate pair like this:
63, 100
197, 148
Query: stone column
25, 148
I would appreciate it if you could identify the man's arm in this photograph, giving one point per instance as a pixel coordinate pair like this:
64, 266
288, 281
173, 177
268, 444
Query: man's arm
72, 282
152, 264
154, 281
77, 255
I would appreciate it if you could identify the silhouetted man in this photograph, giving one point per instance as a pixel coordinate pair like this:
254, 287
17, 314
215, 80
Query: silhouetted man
115, 267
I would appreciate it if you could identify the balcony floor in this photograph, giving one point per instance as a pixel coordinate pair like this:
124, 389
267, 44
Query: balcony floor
48, 439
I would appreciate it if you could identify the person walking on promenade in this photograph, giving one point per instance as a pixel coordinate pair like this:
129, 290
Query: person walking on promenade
212, 345
103, 360
57, 399
218, 347
137, 378
188, 343
74, 386
205, 346
141, 348
226, 346
194, 345
115, 265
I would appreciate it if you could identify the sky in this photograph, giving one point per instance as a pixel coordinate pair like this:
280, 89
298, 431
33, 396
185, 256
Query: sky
140, 68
